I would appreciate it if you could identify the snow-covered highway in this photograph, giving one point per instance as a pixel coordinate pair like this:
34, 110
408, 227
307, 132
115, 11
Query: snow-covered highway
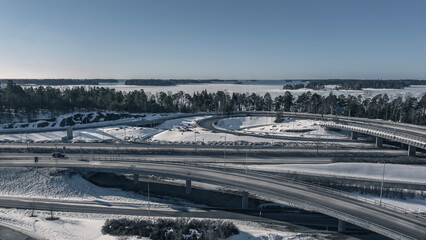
384, 221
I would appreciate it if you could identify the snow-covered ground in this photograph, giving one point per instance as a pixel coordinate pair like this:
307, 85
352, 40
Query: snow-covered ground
120, 133
41, 184
395, 172
82, 226
237, 123
181, 130
32, 183
71, 226
289, 127
185, 130
81, 120
398, 172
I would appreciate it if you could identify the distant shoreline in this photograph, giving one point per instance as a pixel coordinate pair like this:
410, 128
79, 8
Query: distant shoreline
372, 83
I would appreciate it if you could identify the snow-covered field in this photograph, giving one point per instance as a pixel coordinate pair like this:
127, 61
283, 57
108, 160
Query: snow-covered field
185, 131
32, 183
262, 89
83, 226
237, 123
289, 127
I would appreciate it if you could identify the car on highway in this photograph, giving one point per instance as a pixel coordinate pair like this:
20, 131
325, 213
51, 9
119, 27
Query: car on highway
58, 155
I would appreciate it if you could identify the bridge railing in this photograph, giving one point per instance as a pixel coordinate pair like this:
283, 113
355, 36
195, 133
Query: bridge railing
343, 193
278, 176
303, 204
416, 141
308, 205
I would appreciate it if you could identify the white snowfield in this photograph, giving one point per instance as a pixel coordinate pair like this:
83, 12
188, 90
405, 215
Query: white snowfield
237, 123
289, 127
32, 183
82, 226
185, 131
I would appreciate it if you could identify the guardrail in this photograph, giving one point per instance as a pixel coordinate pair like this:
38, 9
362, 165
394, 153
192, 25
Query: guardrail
308, 205
342, 193
267, 174
415, 141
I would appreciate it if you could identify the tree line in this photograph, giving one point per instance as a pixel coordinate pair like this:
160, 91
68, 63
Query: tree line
17, 100
357, 84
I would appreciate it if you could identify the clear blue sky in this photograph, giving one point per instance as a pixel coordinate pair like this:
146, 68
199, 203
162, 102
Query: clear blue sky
225, 39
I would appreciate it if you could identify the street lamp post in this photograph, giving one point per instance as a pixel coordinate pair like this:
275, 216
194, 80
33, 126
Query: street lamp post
26, 137
246, 157
383, 180
195, 139
224, 153
149, 202
81, 155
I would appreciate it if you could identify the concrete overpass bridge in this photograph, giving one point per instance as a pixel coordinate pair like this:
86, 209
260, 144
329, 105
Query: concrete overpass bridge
388, 222
413, 136
413, 141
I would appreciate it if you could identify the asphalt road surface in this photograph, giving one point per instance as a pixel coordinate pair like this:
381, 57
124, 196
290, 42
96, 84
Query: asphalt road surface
291, 220
304, 196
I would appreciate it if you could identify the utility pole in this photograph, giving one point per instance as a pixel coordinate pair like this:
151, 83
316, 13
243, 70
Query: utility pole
246, 157
81, 154
195, 139
383, 180
149, 202
26, 137
224, 153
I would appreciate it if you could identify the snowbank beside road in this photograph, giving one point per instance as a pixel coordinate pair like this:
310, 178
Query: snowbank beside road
185, 130
116, 133
374, 171
64, 185
84, 226
399, 172
289, 127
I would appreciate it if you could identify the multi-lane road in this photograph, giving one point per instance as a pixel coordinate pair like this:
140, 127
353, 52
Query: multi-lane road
384, 221
394, 224
413, 135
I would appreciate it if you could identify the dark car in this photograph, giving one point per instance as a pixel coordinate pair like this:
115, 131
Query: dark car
58, 155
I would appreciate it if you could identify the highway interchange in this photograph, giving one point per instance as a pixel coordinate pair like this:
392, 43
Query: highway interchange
394, 224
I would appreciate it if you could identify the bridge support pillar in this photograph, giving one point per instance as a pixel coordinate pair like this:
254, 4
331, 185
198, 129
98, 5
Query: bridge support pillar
341, 226
411, 151
379, 142
135, 178
244, 200
188, 187
354, 135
